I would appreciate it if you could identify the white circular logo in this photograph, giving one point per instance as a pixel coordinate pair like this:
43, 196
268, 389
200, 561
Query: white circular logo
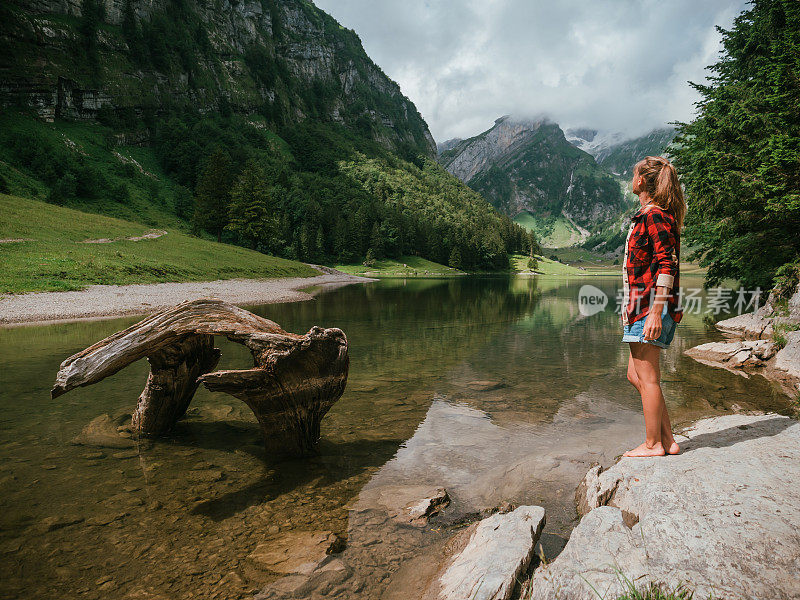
591, 300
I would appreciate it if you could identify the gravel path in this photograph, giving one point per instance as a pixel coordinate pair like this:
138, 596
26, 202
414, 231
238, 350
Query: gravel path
99, 301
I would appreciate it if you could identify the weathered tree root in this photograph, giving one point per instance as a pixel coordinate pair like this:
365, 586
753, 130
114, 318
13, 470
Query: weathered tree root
294, 382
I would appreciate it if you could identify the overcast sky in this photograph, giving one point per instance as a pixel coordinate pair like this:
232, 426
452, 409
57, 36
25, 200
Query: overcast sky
609, 64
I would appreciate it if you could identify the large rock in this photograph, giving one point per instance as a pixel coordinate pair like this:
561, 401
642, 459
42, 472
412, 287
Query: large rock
788, 358
407, 504
327, 577
738, 356
762, 323
734, 355
751, 325
103, 432
723, 517
493, 554
294, 553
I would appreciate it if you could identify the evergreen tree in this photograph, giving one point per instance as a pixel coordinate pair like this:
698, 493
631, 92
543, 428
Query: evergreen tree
183, 202
342, 243
740, 158
376, 241
369, 259
129, 29
532, 243
455, 258
306, 245
319, 246
213, 193
63, 189
132, 33
255, 210
92, 14
363, 228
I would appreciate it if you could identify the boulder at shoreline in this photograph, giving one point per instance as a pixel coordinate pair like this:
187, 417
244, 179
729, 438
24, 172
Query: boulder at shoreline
490, 556
768, 337
722, 517
762, 323
734, 355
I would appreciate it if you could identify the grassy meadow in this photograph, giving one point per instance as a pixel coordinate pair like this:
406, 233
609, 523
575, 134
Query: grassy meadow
405, 266
555, 232
53, 256
548, 266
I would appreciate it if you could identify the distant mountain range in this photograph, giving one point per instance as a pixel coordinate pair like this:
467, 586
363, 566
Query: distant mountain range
567, 186
617, 153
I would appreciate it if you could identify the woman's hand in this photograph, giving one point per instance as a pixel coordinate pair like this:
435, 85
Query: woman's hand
652, 325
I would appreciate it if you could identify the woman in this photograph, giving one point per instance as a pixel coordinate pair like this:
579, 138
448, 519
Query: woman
650, 309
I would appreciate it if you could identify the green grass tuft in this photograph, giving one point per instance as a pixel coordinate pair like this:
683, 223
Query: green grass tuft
652, 591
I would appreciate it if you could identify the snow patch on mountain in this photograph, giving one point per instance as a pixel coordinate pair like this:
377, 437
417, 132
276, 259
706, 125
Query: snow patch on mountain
597, 142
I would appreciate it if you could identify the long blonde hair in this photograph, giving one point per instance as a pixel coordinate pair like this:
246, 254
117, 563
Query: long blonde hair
663, 186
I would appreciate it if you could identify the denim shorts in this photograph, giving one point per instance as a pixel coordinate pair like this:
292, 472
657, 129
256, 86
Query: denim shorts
635, 332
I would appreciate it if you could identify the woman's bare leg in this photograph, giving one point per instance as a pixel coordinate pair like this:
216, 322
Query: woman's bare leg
645, 359
648, 373
667, 440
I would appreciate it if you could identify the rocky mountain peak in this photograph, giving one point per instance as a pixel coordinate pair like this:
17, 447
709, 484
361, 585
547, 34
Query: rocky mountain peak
527, 165
448, 144
468, 157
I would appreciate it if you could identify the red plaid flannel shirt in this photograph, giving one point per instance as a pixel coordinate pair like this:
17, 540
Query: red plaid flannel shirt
652, 259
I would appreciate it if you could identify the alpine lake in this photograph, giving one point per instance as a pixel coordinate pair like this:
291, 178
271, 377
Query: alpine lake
497, 389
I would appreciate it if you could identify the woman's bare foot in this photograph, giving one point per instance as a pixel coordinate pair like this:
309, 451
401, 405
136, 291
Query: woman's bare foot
643, 451
669, 444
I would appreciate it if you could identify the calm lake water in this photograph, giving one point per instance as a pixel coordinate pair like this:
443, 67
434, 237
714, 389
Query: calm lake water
496, 389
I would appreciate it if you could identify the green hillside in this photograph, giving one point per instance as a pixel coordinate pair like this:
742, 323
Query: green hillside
579, 268
77, 165
43, 248
551, 231
264, 126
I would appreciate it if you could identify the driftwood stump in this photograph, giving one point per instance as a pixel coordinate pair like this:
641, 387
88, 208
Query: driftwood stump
294, 382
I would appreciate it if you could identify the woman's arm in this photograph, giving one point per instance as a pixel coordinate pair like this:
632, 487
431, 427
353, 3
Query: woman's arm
662, 234
664, 243
652, 325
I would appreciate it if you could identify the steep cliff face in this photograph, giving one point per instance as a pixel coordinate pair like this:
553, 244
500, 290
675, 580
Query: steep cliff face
130, 59
522, 165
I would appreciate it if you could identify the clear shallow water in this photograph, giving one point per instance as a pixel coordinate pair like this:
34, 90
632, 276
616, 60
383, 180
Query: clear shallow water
497, 389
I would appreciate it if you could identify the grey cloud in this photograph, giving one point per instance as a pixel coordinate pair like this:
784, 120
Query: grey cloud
609, 64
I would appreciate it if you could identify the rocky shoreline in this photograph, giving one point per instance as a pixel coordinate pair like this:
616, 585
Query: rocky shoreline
105, 301
764, 342
722, 518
